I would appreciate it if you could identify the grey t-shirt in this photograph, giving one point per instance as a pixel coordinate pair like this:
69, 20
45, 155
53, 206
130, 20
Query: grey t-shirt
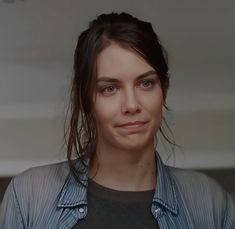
112, 209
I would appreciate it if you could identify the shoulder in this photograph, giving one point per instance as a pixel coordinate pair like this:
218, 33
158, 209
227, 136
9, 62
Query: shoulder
33, 193
46, 174
199, 191
203, 196
195, 181
40, 182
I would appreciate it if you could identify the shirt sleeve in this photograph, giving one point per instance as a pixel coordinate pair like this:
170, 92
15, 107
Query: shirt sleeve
10, 213
229, 218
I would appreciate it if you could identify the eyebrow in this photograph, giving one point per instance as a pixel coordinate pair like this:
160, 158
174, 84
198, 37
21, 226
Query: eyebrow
110, 79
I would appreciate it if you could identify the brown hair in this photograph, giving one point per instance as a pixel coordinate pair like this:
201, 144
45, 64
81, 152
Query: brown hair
128, 32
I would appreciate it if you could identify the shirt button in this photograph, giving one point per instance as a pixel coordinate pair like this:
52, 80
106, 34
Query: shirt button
81, 210
157, 210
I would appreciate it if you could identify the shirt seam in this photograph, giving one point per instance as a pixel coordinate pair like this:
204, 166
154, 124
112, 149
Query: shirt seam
17, 204
226, 211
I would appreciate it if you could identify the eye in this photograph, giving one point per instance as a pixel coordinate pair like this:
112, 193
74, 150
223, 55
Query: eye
108, 90
146, 83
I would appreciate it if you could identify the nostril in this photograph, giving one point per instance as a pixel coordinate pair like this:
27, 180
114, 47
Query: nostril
131, 109
130, 103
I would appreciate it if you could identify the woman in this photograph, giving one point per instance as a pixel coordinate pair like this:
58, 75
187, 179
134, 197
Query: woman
117, 179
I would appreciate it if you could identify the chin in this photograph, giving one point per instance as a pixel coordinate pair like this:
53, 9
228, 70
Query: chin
136, 143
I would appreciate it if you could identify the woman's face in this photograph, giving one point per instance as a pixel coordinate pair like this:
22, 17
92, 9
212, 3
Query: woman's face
128, 100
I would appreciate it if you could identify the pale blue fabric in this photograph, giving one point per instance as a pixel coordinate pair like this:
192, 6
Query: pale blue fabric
48, 197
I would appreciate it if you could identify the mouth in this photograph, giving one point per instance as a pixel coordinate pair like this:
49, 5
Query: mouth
132, 125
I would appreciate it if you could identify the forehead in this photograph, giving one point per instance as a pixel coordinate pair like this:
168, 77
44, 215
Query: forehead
118, 62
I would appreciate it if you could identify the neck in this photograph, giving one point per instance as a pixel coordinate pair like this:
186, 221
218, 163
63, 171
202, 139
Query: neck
124, 170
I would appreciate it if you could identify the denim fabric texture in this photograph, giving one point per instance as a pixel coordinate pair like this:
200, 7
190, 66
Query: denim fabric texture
49, 197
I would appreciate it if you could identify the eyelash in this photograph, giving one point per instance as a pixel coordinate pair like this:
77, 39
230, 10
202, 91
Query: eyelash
103, 89
151, 81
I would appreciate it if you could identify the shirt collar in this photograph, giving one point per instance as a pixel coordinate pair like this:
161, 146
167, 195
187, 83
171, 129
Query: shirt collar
165, 193
74, 193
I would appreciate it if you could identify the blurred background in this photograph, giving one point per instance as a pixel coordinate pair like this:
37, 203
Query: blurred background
37, 41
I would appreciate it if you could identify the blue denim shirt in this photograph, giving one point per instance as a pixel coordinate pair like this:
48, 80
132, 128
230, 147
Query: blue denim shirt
49, 197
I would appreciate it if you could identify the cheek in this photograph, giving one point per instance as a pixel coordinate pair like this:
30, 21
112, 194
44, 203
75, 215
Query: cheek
153, 103
105, 110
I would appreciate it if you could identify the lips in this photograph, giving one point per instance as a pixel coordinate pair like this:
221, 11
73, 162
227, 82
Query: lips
131, 125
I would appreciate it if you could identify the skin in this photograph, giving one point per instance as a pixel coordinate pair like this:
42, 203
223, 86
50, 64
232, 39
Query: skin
128, 91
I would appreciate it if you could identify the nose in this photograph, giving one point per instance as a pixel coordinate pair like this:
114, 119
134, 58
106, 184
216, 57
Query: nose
130, 103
